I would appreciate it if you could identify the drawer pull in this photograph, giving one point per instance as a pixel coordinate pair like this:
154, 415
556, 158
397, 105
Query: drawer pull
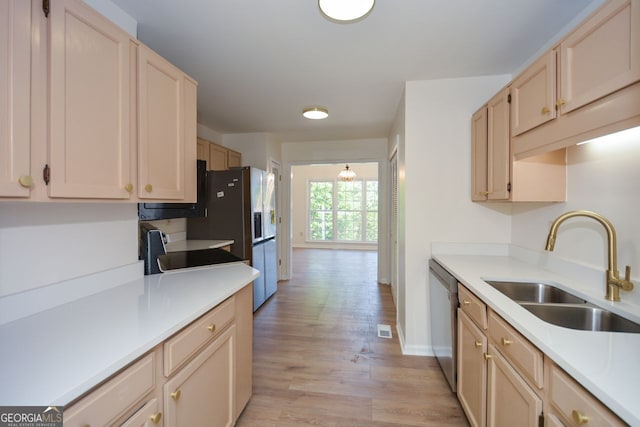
466, 302
505, 341
128, 188
26, 181
211, 328
544, 111
486, 356
477, 344
560, 102
155, 418
579, 417
148, 188
176, 395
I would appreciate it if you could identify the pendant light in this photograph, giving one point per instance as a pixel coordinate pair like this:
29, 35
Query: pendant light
345, 10
346, 174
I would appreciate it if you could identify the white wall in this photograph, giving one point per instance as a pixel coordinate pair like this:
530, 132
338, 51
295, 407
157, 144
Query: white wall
603, 177
436, 181
44, 243
209, 134
258, 149
365, 150
300, 177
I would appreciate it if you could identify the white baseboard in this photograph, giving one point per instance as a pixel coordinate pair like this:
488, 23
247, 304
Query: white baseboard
412, 350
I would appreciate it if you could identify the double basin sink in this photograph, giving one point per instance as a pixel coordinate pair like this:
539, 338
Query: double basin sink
561, 308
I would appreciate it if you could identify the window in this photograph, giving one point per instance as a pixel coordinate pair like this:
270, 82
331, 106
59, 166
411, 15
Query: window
345, 211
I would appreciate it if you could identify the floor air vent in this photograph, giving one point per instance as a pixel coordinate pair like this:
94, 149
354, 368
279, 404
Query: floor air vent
384, 331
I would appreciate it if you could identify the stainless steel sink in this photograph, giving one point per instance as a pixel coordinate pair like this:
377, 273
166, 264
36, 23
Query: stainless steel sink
534, 292
583, 317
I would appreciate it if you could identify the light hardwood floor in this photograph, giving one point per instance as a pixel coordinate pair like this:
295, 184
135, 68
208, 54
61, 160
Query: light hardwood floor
318, 359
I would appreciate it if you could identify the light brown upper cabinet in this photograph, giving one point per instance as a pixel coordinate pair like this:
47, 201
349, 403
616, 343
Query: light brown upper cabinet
601, 56
217, 156
496, 175
164, 95
490, 150
15, 71
533, 95
89, 84
90, 113
597, 88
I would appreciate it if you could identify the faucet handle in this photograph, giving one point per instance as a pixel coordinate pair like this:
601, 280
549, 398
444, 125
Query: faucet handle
627, 284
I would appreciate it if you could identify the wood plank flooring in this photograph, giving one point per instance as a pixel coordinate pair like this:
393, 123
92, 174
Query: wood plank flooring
318, 360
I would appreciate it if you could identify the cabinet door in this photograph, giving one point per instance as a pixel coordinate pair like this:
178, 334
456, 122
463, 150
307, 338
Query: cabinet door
601, 56
498, 146
147, 416
15, 71
202, 151
161, 157
510, 401
234, 159
218, 158
479, 158
472, 370
533, 95
89, 104
203, 393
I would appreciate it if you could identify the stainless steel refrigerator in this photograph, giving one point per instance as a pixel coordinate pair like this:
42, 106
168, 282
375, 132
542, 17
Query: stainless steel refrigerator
241, 207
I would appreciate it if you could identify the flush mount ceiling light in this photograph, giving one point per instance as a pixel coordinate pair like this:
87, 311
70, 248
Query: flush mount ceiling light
345, 10
346, 174
315, 113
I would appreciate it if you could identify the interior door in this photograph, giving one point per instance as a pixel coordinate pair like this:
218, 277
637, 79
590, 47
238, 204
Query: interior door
393, 226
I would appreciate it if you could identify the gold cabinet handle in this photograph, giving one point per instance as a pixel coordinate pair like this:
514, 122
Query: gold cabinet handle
505, 341
544, 111
466, 302
211, 328
176, 395
579, 417
477, 344
155, 418
148, 188
128, 188
26, 181
486, 356
560, 102
485, 193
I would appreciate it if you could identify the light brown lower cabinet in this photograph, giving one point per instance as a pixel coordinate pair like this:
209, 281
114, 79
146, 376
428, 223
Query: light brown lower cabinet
510, 401
147, 416
504, 380
201, 376
202, 393
472, 370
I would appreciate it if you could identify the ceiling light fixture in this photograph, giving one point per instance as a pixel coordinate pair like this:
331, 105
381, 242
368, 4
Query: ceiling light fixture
345, 10
315, 113
346, 174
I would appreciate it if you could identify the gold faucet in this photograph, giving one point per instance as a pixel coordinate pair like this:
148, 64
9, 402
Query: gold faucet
613, 282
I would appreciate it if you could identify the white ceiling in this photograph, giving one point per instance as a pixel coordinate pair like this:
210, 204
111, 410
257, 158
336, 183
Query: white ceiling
260, 62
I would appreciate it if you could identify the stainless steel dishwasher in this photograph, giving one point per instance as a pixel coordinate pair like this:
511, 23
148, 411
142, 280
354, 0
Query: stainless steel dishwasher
443, 304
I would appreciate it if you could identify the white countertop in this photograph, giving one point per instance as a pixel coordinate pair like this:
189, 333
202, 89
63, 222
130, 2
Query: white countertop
54, 356
607, 364
194, 245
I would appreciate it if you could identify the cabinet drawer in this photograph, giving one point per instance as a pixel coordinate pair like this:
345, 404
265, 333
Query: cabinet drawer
186, 343
517, 349
470, 304
109, 401
572, 401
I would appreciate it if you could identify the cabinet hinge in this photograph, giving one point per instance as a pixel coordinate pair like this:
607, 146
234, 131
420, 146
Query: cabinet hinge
509, 187
45, 8
509, 98
46, 174
279, 262
541, 420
